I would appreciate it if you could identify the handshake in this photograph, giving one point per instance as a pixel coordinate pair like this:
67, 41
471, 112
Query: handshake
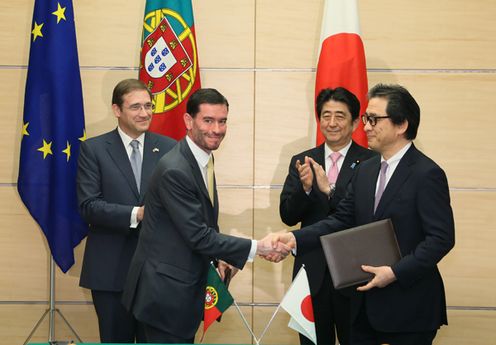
276, 246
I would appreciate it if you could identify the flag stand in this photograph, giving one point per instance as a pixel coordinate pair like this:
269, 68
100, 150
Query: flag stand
268, 324
51, 312
257, 342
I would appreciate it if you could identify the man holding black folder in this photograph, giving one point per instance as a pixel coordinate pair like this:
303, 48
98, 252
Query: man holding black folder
303, 201
404, 304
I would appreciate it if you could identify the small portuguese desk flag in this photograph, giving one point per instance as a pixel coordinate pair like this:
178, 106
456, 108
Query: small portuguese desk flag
217, 299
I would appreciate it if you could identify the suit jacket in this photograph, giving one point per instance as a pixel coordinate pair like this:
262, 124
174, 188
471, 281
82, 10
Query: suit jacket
417, 201
107, 193
179, 238
296, 206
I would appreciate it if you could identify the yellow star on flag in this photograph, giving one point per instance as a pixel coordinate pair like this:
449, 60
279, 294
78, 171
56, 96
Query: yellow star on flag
37, 31
67, 151
46, 149
60, 13
83, 138
25, 129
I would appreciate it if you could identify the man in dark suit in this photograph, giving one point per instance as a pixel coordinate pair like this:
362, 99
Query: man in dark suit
113, 173
165, 288
303, 201
403, 304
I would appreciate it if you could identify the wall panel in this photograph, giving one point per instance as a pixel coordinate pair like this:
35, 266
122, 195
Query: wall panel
284, 122
12, 104
24, 258
474, 327
442, 34
15, 28
469, 270
288, 33
225, 32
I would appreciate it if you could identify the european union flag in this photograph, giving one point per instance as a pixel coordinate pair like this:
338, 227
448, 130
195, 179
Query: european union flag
53, 129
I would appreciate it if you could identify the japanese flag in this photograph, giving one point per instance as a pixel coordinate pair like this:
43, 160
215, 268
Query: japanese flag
298, 303
342, 57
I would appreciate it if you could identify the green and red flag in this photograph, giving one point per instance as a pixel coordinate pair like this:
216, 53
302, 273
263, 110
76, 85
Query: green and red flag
169, 62
217, 299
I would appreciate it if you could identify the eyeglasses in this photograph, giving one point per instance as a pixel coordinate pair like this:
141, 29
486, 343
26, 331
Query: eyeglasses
372, 119
137, 107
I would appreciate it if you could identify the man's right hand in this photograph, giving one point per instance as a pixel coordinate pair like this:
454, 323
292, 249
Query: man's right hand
280, 244
140, 214
272, 252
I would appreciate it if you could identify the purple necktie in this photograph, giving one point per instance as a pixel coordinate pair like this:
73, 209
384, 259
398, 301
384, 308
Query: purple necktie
332, 175
382, 184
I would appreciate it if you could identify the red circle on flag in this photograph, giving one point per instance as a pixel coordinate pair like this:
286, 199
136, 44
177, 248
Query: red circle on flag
307, 308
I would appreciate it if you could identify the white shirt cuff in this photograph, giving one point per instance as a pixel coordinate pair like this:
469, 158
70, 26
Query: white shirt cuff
134, 218
253, 251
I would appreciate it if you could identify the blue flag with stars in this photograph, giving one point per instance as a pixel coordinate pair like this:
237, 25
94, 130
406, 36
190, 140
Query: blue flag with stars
53, 128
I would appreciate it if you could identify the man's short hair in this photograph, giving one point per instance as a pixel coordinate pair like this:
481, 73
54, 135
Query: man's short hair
204, 96
127, 86
401, 106
339, 94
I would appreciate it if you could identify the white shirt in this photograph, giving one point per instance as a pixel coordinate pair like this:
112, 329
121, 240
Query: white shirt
392, 164
126, 140
202, 159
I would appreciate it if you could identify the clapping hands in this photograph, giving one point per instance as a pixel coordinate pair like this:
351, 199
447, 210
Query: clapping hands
308, 170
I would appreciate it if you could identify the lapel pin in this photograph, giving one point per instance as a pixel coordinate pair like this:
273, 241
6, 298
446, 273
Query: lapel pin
155, 149
354, 164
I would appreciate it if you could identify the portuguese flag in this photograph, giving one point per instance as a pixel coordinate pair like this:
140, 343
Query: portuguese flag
217, 299
169, 62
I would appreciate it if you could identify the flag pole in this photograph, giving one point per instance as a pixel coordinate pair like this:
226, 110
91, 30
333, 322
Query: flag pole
279, 306
245, 322
51, 311
270, 322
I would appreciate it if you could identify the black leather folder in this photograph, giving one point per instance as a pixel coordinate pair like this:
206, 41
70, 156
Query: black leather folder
372, 244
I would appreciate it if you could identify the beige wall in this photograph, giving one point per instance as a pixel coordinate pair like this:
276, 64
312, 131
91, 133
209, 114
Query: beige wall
262, 55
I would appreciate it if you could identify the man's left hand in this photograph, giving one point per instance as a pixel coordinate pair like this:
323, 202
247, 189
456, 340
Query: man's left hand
383, 276
221, 268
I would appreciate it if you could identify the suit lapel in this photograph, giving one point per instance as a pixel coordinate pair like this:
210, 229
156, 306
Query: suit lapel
366, 193
119, 155
400, 175
151, 155
319, 155
216, 199
195, 168
348, 166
